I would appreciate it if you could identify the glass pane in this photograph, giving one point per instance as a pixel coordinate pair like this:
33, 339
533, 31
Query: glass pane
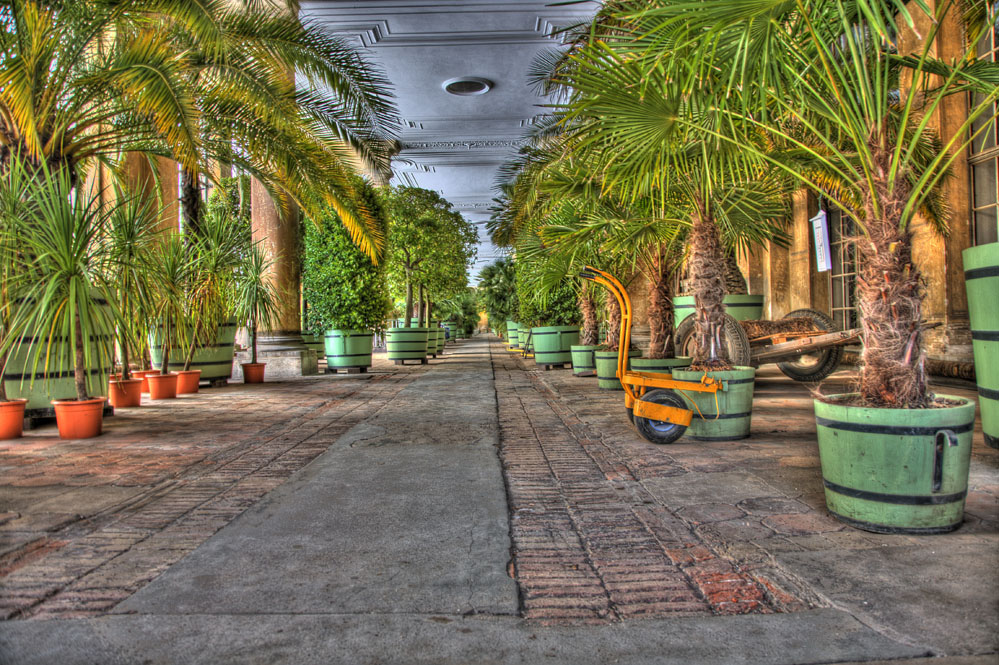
986, 225
984, 180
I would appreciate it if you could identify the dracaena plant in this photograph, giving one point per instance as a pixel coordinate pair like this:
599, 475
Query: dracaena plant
848, 93
64, 313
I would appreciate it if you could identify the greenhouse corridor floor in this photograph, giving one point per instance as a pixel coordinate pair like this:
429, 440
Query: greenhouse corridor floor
473, 510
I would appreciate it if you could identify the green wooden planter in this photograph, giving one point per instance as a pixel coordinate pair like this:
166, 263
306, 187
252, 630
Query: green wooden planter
348, 349
741, 308
315, 342
214, 361
896, 470
512, 333
659, 365
60, 382
407, 344
522, 343
981, 275
734, 404
552, 344
606, 362
583, 360
435, 341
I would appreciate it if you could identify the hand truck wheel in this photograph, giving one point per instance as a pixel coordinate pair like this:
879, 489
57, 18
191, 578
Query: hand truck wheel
657, 431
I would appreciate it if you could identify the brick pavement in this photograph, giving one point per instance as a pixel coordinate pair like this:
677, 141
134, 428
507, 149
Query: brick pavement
158, 483
606, 526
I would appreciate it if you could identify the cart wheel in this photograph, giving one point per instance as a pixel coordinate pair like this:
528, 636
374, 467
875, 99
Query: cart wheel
735, 340
631, 416
816, 366
657, 431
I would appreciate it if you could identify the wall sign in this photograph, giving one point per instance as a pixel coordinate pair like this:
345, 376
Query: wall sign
820, 229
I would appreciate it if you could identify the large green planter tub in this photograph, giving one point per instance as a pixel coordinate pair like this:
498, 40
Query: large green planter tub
741, 308
583, 361
896, 470
525, 340
315, 342
606, 362
435, 341
405, 344
512, 334
214, 360
659, 365
349, 350
60, 383
728, 417
981, 278
552, 344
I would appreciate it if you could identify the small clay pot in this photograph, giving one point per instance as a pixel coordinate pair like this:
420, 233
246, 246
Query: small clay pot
125, 394
12, 418
187, 381
253, 372
162, 386
79, 419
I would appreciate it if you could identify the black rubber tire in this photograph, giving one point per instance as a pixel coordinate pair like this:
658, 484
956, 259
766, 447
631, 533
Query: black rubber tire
631, 416
828, 359
655, 431
735, 338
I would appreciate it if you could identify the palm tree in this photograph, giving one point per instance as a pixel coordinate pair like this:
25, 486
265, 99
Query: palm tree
852, 89
623, 116
85, 82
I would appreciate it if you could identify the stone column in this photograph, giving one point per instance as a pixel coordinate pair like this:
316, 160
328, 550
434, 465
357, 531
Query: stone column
277, 232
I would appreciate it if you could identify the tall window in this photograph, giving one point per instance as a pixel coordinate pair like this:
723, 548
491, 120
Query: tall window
843, 275
985, 156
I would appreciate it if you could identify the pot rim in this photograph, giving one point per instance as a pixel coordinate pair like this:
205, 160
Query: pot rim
92, 400
16, 400
965, 403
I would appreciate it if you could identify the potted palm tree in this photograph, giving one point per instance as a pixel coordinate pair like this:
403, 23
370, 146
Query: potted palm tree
855, 106
66, 294
255, 304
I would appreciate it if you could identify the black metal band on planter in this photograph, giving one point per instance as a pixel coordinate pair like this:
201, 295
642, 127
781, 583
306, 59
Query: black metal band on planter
979, 273
7, 376
350, 355
348, 336
985, 335
896, 430
988, 393
200, 363
728, 305
899, 499
908, 530
723, 416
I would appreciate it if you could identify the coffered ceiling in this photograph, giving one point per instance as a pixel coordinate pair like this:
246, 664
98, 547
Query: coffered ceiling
455, 144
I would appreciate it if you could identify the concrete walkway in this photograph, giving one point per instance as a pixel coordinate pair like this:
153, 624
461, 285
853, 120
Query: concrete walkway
481, 511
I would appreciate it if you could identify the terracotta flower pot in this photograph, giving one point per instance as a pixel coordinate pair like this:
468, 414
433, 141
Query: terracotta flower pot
125, 393
12, 418
142, 374
187, 381
162, 386
253, 372
79, 419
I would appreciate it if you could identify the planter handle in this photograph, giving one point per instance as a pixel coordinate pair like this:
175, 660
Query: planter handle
943, 436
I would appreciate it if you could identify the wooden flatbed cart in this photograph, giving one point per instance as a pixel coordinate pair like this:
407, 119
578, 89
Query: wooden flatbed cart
653, 399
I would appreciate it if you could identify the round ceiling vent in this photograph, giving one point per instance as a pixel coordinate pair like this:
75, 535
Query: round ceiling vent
466, 86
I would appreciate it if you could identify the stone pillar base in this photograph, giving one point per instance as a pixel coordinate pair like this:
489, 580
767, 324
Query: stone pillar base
280, 364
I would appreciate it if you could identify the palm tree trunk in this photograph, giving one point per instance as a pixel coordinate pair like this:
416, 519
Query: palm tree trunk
588, 308
708, 285
80, 362
125, 373
189, 358
613, 323
661, 310
889, 296
165, 359
190, 199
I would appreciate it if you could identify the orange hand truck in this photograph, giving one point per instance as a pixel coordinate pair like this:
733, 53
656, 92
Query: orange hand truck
658, 413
